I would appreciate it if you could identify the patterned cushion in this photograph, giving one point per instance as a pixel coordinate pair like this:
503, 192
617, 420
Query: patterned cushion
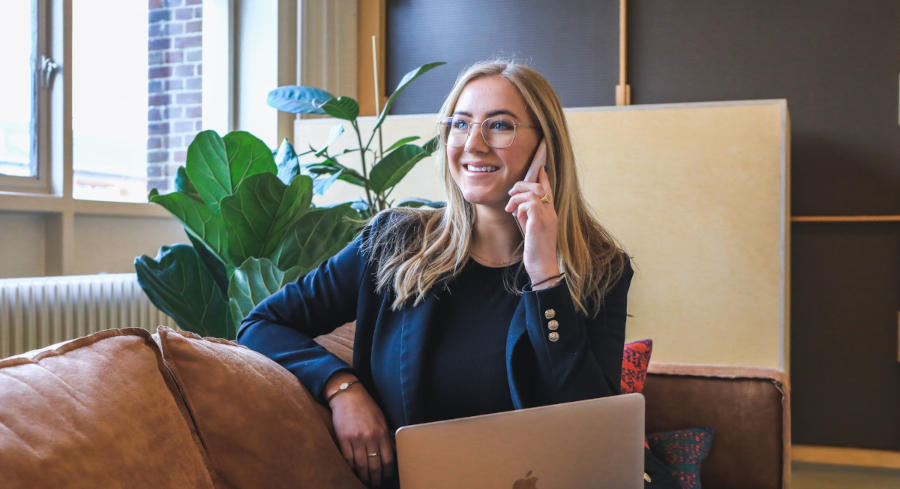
683, 451
634, 365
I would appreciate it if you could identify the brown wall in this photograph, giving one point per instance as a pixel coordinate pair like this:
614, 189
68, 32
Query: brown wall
837, 64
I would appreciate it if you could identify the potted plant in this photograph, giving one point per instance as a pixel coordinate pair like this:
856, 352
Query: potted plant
249, 215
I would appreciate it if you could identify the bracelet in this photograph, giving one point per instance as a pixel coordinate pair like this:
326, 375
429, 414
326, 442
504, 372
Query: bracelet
561, 275
341, 388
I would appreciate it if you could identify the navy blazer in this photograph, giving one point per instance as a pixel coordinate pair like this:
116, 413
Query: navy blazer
585, 362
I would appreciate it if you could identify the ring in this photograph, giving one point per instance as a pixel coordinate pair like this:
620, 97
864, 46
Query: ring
374, 454
546, 198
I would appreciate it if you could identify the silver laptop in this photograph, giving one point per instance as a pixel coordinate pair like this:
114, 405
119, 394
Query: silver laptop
598, 443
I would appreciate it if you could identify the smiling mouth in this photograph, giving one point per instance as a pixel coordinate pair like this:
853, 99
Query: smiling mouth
481, 168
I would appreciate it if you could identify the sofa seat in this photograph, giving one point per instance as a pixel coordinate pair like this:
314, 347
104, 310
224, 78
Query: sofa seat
126, 409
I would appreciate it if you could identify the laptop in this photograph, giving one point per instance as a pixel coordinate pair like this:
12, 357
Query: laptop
583, 444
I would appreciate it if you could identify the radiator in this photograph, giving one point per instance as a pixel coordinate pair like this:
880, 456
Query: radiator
41, 311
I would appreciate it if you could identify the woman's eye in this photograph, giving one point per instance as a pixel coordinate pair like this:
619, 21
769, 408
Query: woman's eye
459, 124
501, 125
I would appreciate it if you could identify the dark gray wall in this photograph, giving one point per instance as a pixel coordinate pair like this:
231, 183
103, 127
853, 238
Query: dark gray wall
562, 43
835, 61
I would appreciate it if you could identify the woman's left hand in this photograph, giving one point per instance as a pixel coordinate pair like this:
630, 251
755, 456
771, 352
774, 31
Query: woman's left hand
539, 221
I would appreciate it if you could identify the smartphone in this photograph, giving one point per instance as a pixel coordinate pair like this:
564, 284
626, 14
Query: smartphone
531, 176
539, 160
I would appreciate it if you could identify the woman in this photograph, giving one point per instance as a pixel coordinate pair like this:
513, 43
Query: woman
457, 313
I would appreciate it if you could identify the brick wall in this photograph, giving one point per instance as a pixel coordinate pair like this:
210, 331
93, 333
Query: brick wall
173, 118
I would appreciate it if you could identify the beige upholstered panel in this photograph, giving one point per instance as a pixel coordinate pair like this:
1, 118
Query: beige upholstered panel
697, 193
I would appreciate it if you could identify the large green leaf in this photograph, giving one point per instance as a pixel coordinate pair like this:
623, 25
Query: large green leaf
183, 184
247, 156
207, 167
333, 134
286, 162
214, 265
332, 166
217, 166
321, 184
417, 202
259, 214
298, 99
404, 82
253, 281
342, 108
178, 283
431, 145
395, 165
295, 202
401, 142
198, 219
316, 236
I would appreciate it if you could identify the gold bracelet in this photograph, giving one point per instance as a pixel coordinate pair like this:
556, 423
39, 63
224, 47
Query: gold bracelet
341, 388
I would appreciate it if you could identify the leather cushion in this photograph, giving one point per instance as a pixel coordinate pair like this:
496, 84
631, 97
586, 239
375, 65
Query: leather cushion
98, 411
747, 414
260, 426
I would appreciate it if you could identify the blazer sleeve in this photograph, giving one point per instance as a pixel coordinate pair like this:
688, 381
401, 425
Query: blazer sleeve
282, 327
585, 360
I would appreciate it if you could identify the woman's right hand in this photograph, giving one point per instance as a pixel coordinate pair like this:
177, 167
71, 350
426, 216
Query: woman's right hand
361, 430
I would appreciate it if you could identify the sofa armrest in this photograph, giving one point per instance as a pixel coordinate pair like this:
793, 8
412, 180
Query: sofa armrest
749, 409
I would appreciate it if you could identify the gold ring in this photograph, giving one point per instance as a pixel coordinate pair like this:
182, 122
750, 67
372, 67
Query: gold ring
374, 454
546, 198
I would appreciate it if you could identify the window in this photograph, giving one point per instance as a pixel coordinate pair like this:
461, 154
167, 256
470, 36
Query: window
22, 95
136, 95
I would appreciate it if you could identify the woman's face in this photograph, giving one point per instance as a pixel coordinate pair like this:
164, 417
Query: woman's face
480, 99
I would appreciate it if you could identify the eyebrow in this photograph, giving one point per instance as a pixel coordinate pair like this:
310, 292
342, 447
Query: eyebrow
489, 114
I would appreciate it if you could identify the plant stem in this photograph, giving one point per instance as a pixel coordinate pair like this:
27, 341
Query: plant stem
362, 155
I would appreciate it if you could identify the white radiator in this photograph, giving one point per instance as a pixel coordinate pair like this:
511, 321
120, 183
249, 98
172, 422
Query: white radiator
41, 311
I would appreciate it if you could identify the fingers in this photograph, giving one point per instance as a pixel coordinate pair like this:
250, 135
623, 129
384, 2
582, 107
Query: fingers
361, 462
516, 201
387, 457
347, 452
521, 186
521, 213
544, 180
374, 464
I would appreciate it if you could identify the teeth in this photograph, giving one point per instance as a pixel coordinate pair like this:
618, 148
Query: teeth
484, 169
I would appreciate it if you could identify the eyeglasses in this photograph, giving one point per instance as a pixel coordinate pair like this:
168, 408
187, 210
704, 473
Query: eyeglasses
497, 132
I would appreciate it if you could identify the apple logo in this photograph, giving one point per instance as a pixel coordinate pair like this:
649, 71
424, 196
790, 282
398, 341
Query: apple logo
529, 482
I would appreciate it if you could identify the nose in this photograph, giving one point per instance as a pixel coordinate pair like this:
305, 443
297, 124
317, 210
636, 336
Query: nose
475, 142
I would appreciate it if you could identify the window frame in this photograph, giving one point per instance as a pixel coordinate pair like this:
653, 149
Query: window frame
42, 104
51, 191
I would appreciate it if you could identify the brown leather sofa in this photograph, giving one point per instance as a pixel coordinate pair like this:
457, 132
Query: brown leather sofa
123, 408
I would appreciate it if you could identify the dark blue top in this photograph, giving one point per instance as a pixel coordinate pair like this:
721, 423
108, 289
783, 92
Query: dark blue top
391, 347
465, 368
582, 360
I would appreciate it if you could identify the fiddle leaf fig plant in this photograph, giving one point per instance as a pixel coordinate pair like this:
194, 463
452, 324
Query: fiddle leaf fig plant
249, 216
381, 170
245, 224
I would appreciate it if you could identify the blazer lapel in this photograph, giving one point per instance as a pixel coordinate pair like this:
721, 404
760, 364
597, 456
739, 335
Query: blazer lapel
416, 327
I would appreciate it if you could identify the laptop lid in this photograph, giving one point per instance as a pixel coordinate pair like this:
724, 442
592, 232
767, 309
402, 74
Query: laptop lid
583, 444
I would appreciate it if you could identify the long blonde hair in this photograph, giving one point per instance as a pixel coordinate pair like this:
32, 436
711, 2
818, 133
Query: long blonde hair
416, 250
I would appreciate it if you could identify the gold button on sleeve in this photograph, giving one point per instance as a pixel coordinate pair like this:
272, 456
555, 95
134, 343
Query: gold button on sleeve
553, 337
550, 314
553, 325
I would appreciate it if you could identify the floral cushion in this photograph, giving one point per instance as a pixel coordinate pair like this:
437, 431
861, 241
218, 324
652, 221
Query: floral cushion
683, 451
635, 360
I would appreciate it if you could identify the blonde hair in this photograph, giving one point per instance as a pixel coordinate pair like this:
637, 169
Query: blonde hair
416, 250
